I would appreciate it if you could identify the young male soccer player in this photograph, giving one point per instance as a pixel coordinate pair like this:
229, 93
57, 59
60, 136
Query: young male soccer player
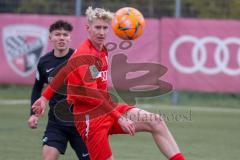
57, 133
95, 130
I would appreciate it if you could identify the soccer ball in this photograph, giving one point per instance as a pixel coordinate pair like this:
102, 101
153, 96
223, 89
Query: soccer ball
128, 23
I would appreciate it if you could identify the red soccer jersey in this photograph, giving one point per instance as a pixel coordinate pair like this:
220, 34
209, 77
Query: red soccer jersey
87, 69
91, 72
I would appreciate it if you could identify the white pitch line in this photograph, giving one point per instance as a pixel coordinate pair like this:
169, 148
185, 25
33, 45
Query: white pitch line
14, 101
147, 106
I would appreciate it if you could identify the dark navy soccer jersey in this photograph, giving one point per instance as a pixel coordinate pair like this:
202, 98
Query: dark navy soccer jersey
47, 65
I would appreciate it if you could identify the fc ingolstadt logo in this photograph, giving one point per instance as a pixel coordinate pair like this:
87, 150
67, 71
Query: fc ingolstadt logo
23, 46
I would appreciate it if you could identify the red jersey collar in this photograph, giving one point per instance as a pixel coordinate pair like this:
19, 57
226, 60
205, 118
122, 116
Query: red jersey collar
90, 44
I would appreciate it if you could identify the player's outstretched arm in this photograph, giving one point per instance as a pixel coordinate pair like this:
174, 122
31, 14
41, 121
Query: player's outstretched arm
36, 93
39, 106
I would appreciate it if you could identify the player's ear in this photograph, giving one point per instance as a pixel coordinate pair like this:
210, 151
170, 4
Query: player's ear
87, 27
70, 35
50, 36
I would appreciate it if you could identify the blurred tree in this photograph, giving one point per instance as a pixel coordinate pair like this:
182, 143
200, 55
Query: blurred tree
7, 6
35, 6
149, 8
234, 8
211, 9
46, 6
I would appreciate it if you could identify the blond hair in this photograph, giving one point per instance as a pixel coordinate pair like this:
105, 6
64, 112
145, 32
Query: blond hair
98, 13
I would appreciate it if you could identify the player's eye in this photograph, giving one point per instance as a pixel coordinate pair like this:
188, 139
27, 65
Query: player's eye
65, 34
98, 27
57, 34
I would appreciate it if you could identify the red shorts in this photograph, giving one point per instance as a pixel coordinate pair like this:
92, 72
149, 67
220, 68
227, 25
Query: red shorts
95, 133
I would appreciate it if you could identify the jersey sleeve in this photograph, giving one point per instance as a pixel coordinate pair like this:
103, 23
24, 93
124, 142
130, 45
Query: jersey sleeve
48, 92
37, 87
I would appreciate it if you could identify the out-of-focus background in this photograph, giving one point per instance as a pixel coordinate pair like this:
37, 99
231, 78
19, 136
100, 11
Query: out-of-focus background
197, 40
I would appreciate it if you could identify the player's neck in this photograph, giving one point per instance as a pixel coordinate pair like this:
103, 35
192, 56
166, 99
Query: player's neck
61, 53
97, 46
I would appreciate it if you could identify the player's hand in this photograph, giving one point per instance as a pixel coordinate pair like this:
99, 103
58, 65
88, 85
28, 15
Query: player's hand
33, 121
39, 106
127, 125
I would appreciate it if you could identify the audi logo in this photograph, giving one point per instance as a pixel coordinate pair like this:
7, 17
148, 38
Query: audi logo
199, 55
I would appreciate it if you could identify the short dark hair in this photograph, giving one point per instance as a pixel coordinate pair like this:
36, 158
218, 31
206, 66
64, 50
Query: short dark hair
61, 24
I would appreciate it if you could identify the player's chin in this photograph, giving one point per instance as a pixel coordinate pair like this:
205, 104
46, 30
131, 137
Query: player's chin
62, 48
100, 40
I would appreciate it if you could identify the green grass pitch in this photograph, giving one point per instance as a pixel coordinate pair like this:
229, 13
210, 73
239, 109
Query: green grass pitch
208, 133
208, 136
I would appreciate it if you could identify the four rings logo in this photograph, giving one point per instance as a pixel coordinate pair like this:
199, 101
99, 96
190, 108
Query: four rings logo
199, 55
23, 46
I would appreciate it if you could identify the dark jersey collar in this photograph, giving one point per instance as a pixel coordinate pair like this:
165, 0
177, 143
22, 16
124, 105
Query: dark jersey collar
67, 55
